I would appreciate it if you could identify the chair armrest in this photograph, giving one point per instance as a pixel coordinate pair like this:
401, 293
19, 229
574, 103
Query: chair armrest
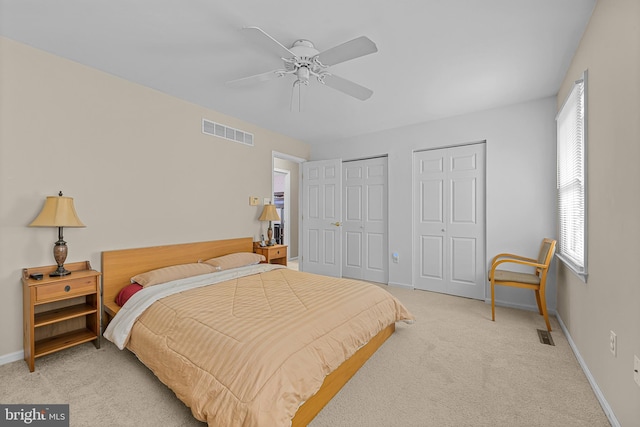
512, 256
519, 260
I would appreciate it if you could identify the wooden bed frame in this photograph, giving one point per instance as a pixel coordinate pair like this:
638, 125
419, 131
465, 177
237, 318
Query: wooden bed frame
119, 266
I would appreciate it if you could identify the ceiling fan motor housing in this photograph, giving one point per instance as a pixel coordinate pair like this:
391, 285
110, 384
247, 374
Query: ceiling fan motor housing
304, 48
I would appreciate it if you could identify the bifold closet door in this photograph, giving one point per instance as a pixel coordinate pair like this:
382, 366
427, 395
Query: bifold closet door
366, 253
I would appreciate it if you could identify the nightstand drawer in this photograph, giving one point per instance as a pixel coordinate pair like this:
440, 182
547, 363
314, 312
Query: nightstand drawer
277, 252
66, 289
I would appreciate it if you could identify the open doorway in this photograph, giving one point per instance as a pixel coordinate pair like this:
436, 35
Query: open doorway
286, 197
282, 200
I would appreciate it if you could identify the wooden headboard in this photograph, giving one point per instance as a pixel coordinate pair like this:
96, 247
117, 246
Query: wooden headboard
119, 266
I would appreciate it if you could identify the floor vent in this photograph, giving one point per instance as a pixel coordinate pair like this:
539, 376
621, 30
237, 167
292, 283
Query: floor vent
226, 132
545, 337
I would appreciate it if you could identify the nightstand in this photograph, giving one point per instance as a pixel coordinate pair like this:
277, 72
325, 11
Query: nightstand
276, 254
60, 312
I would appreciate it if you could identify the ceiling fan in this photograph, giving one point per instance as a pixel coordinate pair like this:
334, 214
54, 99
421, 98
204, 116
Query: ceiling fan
303, 60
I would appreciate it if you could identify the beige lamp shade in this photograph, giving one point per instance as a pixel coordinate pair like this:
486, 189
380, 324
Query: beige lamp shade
269, 213
58, 211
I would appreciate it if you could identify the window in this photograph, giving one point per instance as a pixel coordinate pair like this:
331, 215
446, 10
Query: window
571, 184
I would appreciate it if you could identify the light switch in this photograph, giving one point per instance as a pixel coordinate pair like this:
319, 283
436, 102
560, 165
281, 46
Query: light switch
253, 201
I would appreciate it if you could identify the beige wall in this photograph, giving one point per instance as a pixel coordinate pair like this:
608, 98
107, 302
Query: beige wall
610, 300
134, 159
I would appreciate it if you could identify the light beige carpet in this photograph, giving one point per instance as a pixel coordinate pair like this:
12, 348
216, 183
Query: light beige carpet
453, 367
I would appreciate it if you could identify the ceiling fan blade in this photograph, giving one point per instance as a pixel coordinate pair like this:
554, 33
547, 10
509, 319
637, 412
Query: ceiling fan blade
346, 51
270, 75
259, 36
347, 86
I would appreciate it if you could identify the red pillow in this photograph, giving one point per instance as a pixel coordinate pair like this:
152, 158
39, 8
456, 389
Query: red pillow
127, 292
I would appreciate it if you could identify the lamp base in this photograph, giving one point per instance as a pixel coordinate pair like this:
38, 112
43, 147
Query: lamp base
61, 271
269, 235
60, 255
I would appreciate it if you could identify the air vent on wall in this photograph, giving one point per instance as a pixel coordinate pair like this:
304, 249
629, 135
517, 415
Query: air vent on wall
226, 132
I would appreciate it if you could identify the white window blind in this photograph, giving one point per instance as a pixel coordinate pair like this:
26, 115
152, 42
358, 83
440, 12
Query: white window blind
571, 183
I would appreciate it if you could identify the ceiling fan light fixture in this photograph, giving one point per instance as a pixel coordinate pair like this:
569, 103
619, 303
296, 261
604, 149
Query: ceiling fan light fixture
303, 74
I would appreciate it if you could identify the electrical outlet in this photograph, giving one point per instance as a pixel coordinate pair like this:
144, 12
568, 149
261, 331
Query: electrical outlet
613, 343
266, 201
395, 257
636, 370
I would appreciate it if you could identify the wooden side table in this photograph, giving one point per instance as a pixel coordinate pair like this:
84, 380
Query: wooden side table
276, 254
60, 312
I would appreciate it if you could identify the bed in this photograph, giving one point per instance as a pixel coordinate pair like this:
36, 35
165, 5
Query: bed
290, 360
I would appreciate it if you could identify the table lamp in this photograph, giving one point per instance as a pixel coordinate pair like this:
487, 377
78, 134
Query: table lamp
58, 211
269, 213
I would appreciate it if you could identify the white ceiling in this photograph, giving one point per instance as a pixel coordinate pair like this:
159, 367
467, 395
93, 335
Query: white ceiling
435, 59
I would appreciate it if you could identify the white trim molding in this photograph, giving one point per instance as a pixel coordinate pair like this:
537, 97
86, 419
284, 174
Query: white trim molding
11, 357
594, 385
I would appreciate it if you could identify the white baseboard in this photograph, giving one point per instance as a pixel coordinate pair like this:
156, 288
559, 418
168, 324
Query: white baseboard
11, 357
400, 285
603, 402
520, 306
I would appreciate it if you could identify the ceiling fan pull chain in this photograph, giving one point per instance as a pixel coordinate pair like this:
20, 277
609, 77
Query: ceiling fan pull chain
293, 90
293, 93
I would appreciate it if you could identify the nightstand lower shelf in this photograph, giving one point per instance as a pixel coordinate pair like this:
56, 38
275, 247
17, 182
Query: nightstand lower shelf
62, 341
65, 313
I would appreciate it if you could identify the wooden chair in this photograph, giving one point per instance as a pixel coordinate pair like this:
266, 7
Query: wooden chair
536, 280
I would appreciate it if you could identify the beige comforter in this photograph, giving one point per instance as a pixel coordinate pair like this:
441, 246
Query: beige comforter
249, 351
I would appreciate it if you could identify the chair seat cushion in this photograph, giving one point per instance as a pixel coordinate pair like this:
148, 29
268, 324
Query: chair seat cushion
513, 276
